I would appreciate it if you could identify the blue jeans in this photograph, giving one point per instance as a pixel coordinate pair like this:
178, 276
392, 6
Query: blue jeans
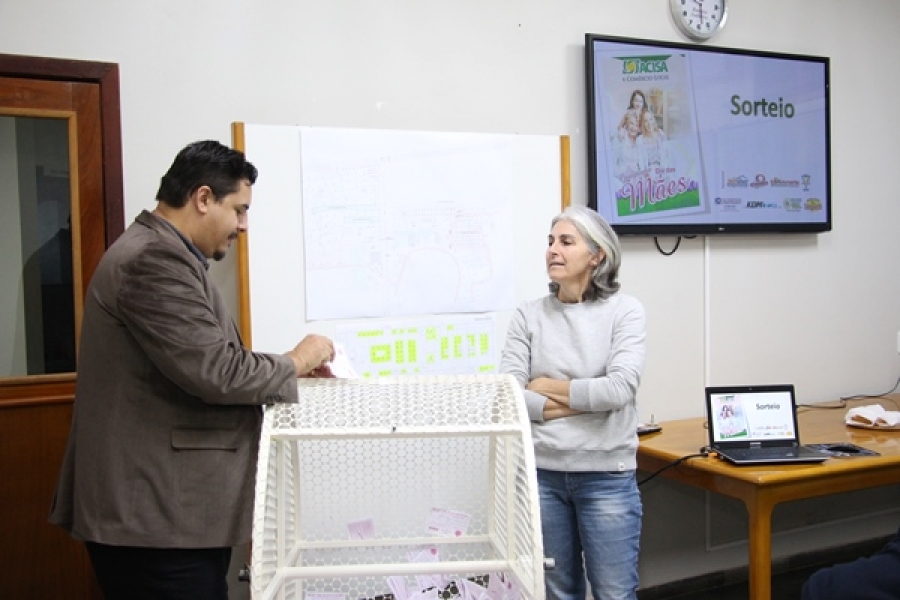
596, 517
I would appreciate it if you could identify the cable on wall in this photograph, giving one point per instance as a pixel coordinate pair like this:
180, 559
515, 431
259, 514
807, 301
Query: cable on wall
677, 243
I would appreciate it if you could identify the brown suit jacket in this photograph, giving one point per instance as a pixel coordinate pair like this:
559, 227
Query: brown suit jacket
165, 433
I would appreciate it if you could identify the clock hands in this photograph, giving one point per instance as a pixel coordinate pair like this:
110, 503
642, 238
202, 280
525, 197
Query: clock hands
704, 17
698, 19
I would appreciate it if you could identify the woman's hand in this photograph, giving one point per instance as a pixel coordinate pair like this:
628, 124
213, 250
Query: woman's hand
557, 393
555, 410
554, 389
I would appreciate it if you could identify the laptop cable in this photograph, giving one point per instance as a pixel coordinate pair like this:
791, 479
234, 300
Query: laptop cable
704, 452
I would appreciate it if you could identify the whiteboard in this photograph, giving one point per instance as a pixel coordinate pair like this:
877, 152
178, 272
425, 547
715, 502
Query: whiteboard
271, 259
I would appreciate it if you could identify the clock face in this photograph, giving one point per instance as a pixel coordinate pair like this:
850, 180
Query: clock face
698, 19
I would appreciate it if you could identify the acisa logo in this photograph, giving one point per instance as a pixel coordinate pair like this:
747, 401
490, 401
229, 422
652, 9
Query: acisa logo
632, 65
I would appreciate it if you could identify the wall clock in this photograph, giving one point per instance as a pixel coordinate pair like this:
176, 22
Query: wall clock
699, 20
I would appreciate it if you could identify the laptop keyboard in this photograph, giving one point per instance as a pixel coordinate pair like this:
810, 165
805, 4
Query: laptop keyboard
770, 452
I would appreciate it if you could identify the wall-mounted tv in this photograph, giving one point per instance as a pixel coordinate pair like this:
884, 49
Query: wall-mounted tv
687, 139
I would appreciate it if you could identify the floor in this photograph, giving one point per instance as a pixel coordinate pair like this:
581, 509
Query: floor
785, 586
787, 580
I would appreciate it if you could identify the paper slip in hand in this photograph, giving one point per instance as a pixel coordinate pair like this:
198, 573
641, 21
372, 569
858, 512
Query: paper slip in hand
340, 366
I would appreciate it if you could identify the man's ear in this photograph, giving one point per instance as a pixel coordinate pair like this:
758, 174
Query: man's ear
202, 198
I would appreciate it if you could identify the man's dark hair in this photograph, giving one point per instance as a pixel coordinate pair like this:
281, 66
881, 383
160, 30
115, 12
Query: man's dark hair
204, 163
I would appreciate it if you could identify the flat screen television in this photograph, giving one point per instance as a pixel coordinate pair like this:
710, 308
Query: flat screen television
687, 139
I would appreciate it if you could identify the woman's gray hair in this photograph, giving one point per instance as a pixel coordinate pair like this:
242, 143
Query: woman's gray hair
599, 236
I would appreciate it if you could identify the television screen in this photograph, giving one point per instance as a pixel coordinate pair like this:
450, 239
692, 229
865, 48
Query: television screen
688, 139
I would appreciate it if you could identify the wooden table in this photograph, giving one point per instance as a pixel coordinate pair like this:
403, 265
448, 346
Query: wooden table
760, 488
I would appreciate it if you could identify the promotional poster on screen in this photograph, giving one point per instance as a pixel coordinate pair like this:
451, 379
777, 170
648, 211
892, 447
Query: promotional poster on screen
649, 121
697, 137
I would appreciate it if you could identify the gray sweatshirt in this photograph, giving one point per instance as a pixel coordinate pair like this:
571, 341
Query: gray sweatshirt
599, 347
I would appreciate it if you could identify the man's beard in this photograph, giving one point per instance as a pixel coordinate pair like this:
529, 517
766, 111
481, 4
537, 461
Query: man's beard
220, 254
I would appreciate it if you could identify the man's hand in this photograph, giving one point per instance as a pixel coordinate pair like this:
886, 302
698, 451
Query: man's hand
312, 355
321, 372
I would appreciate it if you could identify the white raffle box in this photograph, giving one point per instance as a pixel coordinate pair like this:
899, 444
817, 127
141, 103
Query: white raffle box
405, 488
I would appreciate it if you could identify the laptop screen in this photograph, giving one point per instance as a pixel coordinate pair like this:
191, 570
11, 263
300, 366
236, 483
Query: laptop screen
751, 414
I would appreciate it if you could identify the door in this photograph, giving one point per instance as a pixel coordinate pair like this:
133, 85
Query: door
61, 177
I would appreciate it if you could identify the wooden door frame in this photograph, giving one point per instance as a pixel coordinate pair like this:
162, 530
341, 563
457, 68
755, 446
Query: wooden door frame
106, 75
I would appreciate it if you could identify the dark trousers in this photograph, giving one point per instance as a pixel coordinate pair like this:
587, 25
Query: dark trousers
126, 573
876, 577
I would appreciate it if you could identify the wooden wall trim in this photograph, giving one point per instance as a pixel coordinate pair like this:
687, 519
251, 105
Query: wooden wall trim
37, 390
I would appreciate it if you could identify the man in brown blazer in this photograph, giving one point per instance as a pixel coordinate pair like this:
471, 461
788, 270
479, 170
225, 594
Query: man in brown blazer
159, 471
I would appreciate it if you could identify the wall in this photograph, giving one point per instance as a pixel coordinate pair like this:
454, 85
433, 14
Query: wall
816, 310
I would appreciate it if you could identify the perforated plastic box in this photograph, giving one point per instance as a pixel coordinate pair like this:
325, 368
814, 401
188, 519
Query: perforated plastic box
395, 454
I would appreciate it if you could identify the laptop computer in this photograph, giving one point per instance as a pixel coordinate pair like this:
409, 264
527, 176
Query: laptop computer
756, 424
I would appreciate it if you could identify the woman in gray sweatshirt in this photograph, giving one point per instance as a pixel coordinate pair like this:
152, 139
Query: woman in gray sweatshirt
579, 354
